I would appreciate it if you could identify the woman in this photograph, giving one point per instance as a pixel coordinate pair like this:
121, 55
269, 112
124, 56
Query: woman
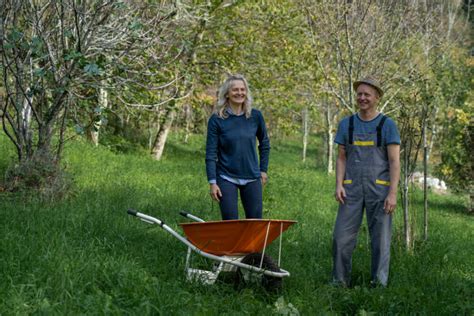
232, 164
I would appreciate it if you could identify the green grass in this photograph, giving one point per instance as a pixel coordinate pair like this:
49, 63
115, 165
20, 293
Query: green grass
84, 255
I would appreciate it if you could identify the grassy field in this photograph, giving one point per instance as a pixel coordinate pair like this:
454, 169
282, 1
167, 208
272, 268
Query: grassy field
84, 255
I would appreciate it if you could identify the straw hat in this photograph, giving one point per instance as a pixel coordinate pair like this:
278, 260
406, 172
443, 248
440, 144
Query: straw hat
371, 81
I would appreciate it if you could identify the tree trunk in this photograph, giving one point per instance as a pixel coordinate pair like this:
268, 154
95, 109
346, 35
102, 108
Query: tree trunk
406, 218
44, 139
62, 131
97, 124
434, 132
26, 121
329, 139
188, 116
471, 202
153, 129
25, 126
165, 126
425, 187
305, 117
330, 151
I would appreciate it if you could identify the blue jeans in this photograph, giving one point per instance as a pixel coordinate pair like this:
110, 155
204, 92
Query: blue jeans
250, 195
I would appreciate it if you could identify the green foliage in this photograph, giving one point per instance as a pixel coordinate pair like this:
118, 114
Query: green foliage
278, 47
455, 166
84, 255
92, 69
271, 50
130, 142
456, 159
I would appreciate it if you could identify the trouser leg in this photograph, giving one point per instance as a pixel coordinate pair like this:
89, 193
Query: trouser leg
251, 195
348, 221
228, 202
380, 229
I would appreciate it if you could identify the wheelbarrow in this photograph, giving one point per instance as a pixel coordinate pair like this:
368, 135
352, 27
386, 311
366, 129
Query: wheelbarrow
235, 246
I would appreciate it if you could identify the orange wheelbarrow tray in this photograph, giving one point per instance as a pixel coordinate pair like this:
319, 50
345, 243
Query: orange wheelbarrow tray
231, 243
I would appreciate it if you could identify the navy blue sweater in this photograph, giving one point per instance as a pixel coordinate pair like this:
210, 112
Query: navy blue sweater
231, 146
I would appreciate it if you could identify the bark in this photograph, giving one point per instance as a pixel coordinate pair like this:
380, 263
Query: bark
434, 133
188, 110
153, 129
330, 151
61, 135
329, 139
425, 187
305, 116
406, 217
25, 125
97, 124
471, 202
165, 126
45, 133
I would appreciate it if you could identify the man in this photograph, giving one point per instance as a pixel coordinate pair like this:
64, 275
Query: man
367, 175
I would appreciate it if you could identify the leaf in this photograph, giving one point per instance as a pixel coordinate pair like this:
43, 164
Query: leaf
79, 129
92, 69
68, 33
39, 72
72, 55
15, 35
136, 25
282, 308
36, 41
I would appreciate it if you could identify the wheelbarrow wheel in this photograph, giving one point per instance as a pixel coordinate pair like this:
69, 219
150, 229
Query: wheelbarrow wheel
244, 276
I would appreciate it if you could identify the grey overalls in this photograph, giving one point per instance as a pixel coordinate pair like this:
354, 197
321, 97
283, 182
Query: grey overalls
366, 183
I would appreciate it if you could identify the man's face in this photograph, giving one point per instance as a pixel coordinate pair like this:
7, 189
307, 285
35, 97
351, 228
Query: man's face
367, 97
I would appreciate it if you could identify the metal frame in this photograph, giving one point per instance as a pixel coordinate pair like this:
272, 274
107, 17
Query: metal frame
226, 263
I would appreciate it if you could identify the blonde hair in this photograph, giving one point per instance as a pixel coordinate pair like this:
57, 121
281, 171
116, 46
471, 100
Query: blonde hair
223, 100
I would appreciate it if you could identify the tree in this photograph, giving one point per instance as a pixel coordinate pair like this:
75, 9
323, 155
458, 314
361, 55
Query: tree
354, 39
186, 67
270, 50
456, 164
49, 50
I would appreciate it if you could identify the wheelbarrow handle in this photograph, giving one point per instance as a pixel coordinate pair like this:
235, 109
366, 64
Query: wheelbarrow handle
132, 212
191, 216
146, 218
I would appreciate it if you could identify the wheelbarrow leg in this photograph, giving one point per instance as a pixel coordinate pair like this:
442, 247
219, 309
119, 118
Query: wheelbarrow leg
203, 276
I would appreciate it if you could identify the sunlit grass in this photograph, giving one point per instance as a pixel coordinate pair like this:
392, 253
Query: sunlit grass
84, 255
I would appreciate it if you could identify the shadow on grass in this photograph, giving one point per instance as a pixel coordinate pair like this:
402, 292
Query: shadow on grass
182, 150
297, 149
451, 207
446, 204
148, 246
119, 256
5, 164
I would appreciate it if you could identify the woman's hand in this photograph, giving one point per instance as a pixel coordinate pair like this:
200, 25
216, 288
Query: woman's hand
264, 177
215, 192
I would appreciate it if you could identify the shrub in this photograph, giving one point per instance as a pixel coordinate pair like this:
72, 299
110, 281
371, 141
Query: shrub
41, 176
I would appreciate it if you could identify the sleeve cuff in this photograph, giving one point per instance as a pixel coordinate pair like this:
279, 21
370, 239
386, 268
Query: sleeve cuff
212, 181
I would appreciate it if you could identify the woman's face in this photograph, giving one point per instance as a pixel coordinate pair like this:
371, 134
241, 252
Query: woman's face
237, 92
